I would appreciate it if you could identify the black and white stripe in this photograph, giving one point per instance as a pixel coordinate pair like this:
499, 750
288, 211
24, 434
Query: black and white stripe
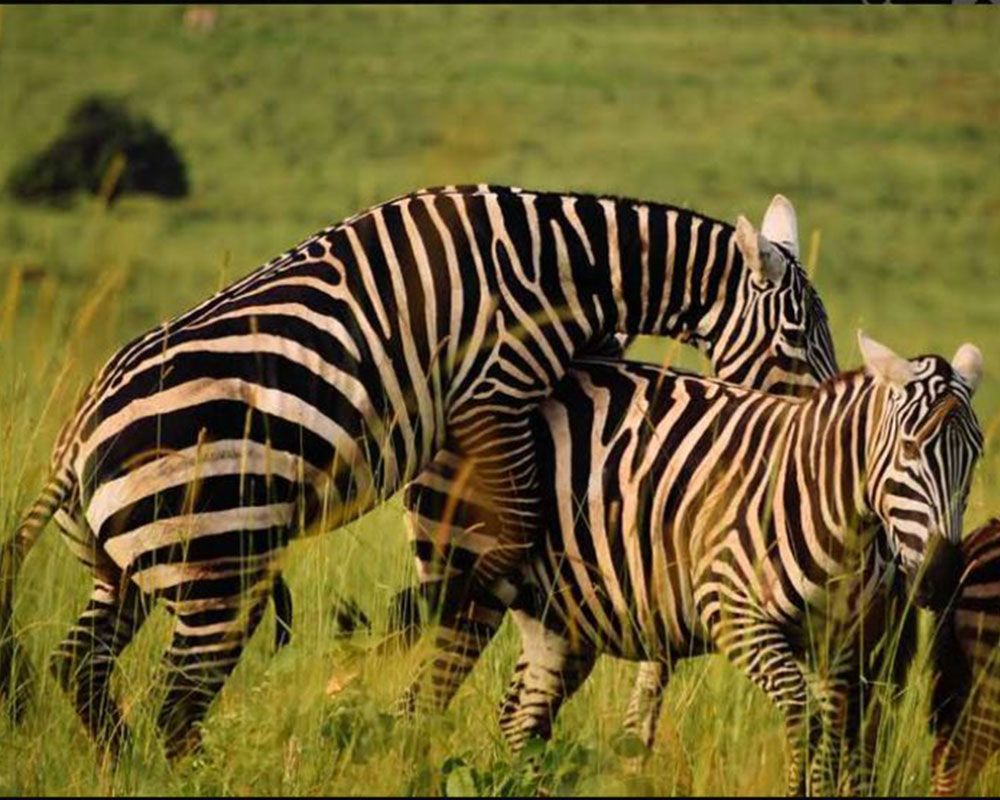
300, 396
687, 515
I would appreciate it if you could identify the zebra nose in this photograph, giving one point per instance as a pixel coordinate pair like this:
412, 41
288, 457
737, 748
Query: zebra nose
943, 564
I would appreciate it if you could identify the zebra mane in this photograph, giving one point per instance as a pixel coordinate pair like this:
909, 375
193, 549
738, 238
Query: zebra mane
483, 189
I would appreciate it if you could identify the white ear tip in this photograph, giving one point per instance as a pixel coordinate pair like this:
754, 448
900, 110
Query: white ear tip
882, 363
968, 363
746, 240
871, 346
780, 224
780, 201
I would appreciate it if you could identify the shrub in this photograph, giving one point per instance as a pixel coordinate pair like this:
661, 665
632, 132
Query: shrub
99, 130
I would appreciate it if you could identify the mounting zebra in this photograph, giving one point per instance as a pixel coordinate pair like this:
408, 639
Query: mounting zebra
687, 515
966, 676
297, 398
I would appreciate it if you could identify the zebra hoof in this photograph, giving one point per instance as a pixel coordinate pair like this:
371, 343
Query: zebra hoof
629, 745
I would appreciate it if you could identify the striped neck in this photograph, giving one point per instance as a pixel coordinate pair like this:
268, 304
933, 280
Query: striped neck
828, 457
671, 270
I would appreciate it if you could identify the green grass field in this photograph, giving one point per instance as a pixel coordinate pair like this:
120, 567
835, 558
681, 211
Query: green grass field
881, 124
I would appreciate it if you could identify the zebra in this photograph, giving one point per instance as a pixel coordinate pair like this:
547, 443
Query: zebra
296, 398
965, 711
448, 522
686, 515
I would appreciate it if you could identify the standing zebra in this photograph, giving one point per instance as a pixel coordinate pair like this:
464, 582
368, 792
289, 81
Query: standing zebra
295, 399
687, 515
966, 675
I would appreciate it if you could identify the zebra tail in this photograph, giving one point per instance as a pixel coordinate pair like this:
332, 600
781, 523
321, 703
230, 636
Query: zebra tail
16, 671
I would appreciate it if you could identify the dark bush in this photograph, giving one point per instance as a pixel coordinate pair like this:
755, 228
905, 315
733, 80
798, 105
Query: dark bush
97, 130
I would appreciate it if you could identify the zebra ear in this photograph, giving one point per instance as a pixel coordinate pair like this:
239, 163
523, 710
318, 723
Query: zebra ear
780, 224
883, 364
968, 363
762, 258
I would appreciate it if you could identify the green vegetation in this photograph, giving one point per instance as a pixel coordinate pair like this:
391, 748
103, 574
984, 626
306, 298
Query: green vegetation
882, 125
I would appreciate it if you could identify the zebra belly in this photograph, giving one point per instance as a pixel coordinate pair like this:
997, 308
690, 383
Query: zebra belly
588, 618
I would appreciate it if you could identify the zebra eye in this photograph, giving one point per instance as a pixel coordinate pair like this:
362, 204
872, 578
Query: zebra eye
910, 448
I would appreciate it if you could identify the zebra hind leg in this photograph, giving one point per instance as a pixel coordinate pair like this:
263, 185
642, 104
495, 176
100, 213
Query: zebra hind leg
210, 632
548, 672
452, 531
83, 662
534, 696
644, 706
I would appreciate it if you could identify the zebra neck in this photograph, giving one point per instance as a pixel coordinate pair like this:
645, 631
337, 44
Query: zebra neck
670, 271
828, 463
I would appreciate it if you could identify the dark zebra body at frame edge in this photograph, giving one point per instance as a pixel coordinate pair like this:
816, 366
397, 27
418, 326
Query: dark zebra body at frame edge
298, 396
965, 699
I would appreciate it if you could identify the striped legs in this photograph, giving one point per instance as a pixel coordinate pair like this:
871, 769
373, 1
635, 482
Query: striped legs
217, 606
761, 650
839, 713
548, 672
458, 643
967, 726
646, 701
866, 662
84, 660
450, 525
210, 632
888, 646
946, 767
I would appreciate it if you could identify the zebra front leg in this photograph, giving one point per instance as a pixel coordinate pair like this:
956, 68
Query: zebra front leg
761, 650
833, 765
84, 660
458, 641
210, 632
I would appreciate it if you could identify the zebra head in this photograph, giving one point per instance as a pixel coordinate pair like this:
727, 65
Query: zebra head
781, 342
925, 442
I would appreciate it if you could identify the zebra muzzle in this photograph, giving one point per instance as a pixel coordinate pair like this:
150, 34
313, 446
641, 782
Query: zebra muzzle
937, 584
